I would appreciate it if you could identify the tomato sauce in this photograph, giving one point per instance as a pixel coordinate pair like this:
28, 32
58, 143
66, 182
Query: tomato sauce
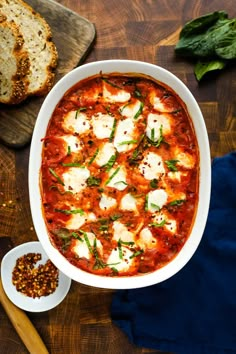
73, 215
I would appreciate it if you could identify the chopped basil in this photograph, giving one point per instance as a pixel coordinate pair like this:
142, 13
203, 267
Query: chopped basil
107, 108
127, 142
87, 241
103, 221
137, 93
112, 176
115, 217
153, 134
146, 203
176, 202
114, 270
62, 193
135, 154
71, 164
68, 150
140, 110
171, 164
111, 83
79, 110
75, 235
93, 181
110, 163
99, 264
155, 206
154, 183
120, 249
103, 227
160, 139
127, 243
59, 180
122, 108
93, 157
136, 254
70, 211
113, 130
63, 233
162, 223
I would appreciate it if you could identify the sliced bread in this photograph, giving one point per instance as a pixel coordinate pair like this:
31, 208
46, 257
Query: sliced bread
14, 63
37, 42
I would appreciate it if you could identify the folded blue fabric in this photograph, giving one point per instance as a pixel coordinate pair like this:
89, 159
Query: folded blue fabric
194, 312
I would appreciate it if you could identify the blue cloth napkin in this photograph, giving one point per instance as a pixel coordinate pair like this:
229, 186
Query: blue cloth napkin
194, 312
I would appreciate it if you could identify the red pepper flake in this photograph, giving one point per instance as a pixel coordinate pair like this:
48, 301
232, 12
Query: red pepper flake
35, 281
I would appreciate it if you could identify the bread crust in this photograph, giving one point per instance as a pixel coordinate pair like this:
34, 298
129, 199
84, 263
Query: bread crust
13, 79
43, 56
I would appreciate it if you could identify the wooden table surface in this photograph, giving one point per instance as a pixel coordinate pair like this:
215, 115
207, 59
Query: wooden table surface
131, 29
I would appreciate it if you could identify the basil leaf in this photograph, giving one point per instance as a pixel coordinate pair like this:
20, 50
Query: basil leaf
115, 217
136, 254
71, 164
177, 202
201, 68
112, 176
93, 181
140, 110
160, 140
113, 130
63, 233
93, 157
59, 180
146, 203
120, 249
127, 142
70, 211
199, 37
202, 23
210, 38
226, 47
110, 163
171, 164
68, 150
87, 241
75, 235
127, 243
79, 110
162, 223
154, 183
111, 83
137, 93
155, 206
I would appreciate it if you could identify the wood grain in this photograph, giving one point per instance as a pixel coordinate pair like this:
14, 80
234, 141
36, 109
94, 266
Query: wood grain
133, 29
73, 36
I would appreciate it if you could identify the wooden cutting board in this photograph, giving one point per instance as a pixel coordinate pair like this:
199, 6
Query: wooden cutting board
73, 36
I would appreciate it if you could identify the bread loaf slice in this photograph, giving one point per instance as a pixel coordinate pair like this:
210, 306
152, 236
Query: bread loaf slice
37, 42
14, 63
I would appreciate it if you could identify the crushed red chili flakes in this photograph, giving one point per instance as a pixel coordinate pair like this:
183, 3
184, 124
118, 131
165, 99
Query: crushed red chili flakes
35, 281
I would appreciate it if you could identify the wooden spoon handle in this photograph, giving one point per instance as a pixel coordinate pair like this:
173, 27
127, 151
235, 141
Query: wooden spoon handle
23, 325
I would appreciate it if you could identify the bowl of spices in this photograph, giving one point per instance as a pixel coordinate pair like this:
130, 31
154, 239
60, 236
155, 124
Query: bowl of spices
31, 280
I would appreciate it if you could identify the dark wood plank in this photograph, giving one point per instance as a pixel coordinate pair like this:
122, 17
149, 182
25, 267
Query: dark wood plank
73, 36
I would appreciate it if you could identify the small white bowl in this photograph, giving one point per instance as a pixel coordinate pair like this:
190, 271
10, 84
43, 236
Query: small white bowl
52, 99
27, 303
